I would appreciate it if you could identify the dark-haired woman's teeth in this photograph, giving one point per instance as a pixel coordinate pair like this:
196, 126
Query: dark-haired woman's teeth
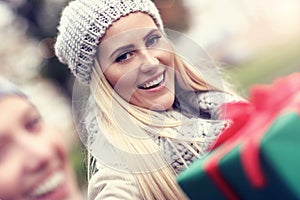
153, 83
49, 185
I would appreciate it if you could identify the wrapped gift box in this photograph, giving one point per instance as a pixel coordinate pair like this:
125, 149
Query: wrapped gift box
257, 157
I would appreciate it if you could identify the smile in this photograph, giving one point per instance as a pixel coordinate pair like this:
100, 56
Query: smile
49, 185
152, 84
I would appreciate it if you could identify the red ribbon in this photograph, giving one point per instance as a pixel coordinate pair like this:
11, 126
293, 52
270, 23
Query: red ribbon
250, 123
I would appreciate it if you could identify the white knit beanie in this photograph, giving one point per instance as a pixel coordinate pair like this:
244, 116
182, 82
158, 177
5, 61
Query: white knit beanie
84, 22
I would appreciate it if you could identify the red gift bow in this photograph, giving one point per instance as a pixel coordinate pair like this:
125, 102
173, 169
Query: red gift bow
250, 122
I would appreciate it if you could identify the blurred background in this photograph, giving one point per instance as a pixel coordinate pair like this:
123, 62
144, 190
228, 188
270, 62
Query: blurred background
254, 41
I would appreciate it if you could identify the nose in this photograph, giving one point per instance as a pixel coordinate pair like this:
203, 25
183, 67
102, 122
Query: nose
150, 61
37, 153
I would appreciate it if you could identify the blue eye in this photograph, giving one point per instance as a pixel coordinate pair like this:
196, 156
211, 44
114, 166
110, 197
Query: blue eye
123, 57
152, 40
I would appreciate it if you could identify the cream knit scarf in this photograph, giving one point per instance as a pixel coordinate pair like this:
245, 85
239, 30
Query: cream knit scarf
199, 130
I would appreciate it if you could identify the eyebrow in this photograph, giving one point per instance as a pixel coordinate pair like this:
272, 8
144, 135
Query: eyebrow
30, 111
131, 46
150, 33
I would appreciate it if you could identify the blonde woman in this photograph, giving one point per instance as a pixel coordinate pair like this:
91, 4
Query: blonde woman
150, 113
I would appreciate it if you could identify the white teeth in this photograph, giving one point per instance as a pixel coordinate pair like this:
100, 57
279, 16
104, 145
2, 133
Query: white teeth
49, 185
152, 83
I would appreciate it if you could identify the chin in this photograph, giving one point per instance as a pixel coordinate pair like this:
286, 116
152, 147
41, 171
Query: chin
162, 103
162, 106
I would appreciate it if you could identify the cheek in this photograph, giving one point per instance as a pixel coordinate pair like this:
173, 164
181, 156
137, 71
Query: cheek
123, 82
57, 144
112, 77
171, 60
11, 179
8, 191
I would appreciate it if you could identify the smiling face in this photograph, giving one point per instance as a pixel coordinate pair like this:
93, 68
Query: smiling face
33, 160
138, 62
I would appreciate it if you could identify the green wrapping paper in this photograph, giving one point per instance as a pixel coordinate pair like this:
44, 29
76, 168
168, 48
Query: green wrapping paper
258, 157
278, 152
278, 155
197, 184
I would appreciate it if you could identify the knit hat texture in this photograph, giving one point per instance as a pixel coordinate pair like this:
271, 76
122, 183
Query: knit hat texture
84, 22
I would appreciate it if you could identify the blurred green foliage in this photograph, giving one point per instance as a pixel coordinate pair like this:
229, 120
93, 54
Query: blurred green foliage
78, 156
266, 66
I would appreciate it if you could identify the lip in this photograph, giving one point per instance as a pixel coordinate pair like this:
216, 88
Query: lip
152, 79
60, 191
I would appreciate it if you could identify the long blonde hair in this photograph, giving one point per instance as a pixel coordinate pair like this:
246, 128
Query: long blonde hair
153, 184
